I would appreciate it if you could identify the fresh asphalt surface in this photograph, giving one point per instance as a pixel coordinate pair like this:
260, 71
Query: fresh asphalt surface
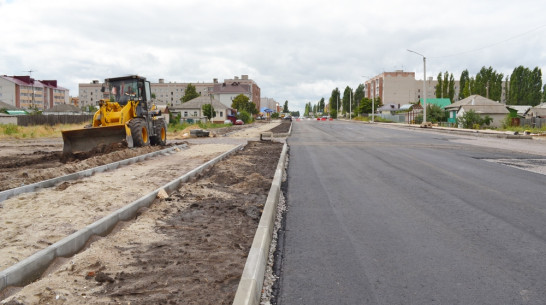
392, 216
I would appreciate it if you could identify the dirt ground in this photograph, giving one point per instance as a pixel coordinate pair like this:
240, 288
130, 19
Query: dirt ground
189, 248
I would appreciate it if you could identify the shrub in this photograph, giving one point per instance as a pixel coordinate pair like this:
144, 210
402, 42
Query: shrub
244, 116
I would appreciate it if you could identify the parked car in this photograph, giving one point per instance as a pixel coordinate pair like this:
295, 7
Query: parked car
239, 122
228, 122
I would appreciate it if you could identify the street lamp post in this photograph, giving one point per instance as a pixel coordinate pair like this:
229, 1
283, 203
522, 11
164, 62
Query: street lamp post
424, 85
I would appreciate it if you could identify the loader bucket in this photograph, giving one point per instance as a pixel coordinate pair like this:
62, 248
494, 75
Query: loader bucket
83, 140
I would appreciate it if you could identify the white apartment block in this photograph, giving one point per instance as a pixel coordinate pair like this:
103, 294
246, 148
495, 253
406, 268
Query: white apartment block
170, 93
401, 88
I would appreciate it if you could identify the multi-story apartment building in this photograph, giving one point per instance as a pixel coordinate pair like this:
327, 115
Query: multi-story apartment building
25, 92
170, 93
401, 88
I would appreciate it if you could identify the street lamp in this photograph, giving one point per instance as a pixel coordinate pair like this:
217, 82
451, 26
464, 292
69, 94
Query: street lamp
424, 85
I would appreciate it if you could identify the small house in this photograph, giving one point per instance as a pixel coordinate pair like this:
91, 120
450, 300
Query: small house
482, 106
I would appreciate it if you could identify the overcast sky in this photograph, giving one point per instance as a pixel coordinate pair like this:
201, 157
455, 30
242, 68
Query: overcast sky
298, 50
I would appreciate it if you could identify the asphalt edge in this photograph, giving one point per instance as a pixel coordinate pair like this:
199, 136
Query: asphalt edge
250, 286
84, 173
32, 267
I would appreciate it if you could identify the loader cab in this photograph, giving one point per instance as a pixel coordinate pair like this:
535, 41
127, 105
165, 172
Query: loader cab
125, 89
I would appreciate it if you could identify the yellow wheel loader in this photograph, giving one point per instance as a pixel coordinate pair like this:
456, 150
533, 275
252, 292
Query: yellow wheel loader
125, 113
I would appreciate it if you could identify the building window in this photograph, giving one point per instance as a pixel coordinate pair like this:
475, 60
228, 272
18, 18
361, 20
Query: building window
221, 114
185, 113
195, 113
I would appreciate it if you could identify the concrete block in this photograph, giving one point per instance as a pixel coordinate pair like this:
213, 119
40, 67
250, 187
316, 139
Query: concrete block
71, 244
104, 225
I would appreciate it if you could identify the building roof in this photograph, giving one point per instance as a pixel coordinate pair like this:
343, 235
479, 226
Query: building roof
406, 107
388, 107
198, 102
480, 105
29, 81
487, 109
474, 100
234, 87
63, 108
440, 102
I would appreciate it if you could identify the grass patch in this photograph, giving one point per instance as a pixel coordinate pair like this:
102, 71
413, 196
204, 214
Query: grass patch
11, 131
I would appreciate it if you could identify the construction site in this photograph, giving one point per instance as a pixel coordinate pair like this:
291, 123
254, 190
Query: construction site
188, 245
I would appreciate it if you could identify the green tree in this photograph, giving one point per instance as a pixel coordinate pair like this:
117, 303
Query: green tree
488, 83
366, 105
464, 85
525, 86
335, 100
189, 94
445, 85
435, 113
242, 103
208, 111
295, 113
285, 107
347, 97
439, 86
244, 116
321, 105
451, 88
359, 95
544, 94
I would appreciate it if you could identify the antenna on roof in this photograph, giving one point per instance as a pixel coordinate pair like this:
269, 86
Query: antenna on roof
30, 72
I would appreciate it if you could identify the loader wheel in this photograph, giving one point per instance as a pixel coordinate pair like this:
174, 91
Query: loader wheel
161, 129
139, 132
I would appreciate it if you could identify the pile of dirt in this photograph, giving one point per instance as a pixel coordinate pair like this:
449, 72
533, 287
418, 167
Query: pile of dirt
284, 127
188, 248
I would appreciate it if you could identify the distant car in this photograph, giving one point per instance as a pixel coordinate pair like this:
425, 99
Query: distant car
324, 118
239, 122
260, 117
288, 118
228, 122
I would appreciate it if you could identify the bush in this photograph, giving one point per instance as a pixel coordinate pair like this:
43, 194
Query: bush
472, 120
275, 115
245, 117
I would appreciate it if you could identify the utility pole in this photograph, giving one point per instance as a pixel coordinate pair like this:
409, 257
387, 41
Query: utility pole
424, 85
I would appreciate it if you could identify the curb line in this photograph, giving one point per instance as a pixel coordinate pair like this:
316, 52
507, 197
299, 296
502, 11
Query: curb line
84, 173
32, 267
250, 286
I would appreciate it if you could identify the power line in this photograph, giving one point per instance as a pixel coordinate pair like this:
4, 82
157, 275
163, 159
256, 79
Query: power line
492, 44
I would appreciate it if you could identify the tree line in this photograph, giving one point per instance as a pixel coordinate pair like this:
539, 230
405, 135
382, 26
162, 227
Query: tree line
523, 87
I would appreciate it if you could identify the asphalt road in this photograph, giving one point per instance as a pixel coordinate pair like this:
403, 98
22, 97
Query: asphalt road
390, 216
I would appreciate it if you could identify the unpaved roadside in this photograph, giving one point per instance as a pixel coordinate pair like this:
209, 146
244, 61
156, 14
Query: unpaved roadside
189, 248
36, 220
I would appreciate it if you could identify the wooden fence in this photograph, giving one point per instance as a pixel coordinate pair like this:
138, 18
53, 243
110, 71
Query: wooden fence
53, 119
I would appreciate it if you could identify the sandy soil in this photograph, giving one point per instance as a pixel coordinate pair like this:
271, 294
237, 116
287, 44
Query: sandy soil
176, 252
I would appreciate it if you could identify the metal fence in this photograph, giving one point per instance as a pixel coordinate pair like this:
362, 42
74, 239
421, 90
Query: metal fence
397, 118
533, 122
53, 119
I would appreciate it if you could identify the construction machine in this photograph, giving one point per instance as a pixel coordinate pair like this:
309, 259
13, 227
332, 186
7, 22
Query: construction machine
125, 113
